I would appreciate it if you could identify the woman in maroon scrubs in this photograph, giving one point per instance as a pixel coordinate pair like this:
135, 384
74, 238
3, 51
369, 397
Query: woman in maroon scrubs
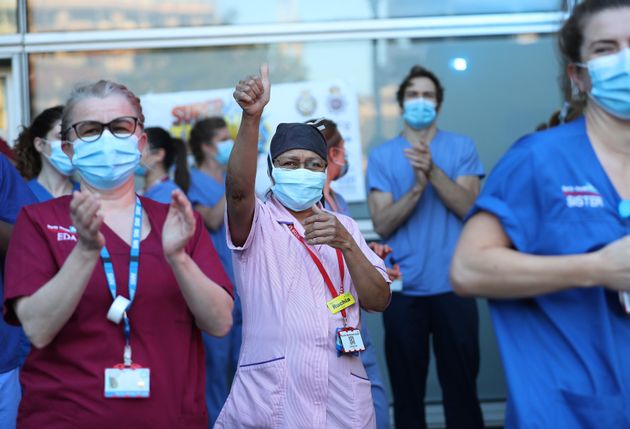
113, 289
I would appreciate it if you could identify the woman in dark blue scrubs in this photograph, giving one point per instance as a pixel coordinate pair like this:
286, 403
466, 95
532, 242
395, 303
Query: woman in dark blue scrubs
40, 158
547, 242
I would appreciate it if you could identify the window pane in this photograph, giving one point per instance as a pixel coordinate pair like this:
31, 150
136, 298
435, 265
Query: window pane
69, 15
8, 16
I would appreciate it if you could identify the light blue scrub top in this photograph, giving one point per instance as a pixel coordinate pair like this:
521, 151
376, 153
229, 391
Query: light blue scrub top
205, 190
566, 355
161, 191
424, 244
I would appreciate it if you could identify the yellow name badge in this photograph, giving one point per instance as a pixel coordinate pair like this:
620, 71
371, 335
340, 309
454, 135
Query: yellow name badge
342, 301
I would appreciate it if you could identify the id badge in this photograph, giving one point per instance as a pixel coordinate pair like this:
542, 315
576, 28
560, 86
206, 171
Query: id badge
127, 382
351, 340
341, 302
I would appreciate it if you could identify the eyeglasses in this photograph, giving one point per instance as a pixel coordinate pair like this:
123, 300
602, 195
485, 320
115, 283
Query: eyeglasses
90, 131
313, 164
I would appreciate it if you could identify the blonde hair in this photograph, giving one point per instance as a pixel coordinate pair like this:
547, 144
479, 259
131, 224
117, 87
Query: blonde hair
100, 89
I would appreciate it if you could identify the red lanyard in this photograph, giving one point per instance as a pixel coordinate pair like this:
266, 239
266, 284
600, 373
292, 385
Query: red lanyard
321, 268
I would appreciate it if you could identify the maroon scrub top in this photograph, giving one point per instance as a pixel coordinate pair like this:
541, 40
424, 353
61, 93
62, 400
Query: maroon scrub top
63, 383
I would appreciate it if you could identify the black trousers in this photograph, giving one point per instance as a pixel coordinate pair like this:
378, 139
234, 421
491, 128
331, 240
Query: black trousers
452, 323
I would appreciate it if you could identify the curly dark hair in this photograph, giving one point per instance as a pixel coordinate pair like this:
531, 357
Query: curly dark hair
29, 161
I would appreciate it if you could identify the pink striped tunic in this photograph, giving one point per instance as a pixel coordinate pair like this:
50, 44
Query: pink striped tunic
289, 374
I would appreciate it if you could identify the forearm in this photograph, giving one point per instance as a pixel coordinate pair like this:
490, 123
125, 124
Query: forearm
212, 216
44, 313
455, 197
241, 169
386, 220
506, 273
372, 289
209, 303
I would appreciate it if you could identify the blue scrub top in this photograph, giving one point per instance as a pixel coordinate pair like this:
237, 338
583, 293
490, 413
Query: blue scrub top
14, 193
565, 354
205, 190
161, 191
42, 193
423, 245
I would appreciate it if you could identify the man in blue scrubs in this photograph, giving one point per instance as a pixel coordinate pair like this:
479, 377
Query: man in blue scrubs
14, 346
421, 184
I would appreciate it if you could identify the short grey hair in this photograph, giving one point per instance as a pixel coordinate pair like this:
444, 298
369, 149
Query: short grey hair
100, 89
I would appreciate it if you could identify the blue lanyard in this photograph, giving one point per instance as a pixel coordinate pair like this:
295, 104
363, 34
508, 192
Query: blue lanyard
133, 273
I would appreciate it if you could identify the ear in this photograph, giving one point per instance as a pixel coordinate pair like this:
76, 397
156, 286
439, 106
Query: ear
573, 72
39, 143
160, 154
142, 141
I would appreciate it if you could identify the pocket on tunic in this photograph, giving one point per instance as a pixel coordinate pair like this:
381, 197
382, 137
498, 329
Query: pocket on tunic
257, 396
594, 411
363, 406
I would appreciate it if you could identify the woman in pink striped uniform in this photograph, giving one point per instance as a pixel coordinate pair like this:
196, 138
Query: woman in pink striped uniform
303, 273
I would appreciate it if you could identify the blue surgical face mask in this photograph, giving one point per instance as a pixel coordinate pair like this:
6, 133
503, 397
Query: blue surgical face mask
107, 162
58, 159
224, 149
419, 113
610, 80
297, 189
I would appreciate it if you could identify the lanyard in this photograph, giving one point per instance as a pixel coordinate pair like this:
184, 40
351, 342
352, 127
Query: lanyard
321, 268
133, 274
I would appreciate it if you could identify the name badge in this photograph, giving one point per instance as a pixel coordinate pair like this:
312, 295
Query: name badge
127, 382
342, 302
351, 340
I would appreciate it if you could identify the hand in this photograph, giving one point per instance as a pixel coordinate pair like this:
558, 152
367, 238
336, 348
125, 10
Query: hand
420, 159
86, 217
615, 261
252, 93
394, 272
381, 250
179, 226
324, 228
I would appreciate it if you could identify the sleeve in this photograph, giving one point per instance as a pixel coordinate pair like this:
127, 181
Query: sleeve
376, 176
202, 251
14, 193
469, 163
511, 193
239, 250
30, 262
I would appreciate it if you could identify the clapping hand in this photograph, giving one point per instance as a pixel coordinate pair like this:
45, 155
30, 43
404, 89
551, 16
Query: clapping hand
86, 217
179, 226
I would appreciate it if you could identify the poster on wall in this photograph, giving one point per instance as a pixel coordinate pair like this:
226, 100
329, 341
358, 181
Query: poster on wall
290, 102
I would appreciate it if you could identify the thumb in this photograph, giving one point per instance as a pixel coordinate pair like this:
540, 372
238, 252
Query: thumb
264, 76
316, 209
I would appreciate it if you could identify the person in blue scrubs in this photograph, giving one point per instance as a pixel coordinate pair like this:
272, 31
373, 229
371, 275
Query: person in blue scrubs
40, 158
333, 201
14, 346
420, 186
548, 242
163, 154
211, 145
